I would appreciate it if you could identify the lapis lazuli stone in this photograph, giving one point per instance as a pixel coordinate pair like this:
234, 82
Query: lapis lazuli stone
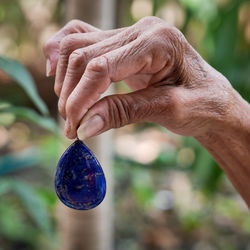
80, 182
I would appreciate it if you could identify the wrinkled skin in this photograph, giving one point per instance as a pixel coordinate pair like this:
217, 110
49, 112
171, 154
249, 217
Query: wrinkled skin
172, 84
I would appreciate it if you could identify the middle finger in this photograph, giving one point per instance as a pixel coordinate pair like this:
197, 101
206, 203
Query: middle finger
72, 42
79, 59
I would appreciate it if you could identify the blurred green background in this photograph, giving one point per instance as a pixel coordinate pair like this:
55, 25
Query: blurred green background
169, 192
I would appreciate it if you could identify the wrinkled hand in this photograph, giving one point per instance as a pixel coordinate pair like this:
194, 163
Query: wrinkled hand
172, 85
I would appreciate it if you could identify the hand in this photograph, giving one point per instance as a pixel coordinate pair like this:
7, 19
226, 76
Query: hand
52, 46
173, 86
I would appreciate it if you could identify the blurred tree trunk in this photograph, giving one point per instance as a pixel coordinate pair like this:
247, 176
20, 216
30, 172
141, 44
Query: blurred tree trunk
93, 229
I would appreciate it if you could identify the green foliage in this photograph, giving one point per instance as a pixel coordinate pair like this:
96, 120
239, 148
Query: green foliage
207, 173
24, 79
30, 201
192, 220
6, 118
36, 204
201, 9
9, 113
156, 6
19, 160
47, 196
12, 223
31, 116
10, 12
143, 189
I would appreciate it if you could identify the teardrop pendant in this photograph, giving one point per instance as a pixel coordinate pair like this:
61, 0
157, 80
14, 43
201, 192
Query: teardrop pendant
79, 181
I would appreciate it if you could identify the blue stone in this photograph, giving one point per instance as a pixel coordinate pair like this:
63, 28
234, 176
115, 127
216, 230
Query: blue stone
80, 182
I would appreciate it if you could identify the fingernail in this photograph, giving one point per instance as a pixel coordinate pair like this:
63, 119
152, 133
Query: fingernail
48, 68
90, 127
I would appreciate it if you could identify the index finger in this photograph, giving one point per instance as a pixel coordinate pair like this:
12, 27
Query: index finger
113, 66
51, 48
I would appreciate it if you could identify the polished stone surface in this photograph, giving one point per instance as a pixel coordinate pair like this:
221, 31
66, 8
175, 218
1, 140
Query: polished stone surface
80, 181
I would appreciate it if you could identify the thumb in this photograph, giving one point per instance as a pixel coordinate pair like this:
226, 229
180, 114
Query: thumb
116, 111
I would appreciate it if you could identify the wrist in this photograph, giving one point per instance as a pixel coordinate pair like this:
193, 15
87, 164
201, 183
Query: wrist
234, 125
231, 149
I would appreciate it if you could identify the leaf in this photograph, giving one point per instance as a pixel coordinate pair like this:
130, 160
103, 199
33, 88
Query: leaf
50, 148
5, 186
34, 205
48, 195
142, 187
13, 225
191, 220
19, 160
6, 119
4, 105
32, 202
29, 115
226, 39
24, 79
202, 9
156, 6
166, 158
206, 171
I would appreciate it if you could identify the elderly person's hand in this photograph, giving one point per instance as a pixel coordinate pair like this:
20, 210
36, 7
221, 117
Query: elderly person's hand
172, 86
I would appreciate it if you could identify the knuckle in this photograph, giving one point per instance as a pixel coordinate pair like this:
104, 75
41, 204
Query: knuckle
66, 45
76, 58
70, 107
74, 23
177, 34
98, 67
168, 31
161, 29
149, 20
175, 37
175, 44
48, 44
